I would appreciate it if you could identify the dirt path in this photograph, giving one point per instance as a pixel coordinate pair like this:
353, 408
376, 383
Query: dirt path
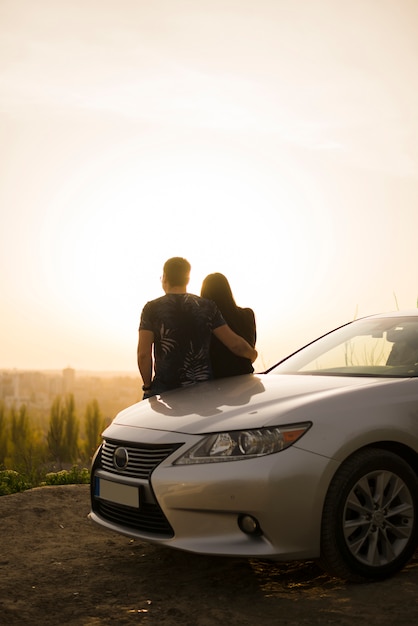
57, 568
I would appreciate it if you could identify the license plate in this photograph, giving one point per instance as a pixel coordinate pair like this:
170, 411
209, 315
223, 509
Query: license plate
117, 492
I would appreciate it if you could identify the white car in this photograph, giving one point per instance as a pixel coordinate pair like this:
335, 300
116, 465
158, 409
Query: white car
315, 459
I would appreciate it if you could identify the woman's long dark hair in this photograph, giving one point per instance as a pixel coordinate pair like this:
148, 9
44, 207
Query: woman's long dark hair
216, 287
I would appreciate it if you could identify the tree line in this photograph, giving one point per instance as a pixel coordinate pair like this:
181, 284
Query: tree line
32, 451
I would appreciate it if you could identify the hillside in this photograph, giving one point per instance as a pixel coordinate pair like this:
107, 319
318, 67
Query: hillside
58, 568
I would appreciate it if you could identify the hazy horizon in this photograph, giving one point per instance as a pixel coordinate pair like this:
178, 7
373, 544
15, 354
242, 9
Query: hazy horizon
275, 142
78, 372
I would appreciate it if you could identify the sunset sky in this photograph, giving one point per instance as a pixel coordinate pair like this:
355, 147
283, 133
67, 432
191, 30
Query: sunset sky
273, 141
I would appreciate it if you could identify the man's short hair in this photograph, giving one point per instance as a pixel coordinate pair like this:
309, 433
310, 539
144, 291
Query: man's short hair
177, 271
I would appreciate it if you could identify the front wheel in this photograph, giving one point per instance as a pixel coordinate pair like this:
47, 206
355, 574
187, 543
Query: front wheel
370, 517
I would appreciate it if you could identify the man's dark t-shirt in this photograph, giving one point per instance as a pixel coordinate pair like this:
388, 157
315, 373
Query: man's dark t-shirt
182, 325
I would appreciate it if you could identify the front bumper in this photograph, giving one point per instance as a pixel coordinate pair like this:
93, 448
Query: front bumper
197, 507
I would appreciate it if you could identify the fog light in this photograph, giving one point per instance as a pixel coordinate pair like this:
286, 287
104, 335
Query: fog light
249, 525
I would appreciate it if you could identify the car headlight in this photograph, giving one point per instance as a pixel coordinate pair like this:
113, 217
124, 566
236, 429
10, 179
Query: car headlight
243, 444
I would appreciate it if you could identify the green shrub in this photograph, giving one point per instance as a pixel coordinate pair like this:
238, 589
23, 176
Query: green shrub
74, 476
12, 482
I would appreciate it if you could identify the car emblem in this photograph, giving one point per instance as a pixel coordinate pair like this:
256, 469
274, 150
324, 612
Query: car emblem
120, 458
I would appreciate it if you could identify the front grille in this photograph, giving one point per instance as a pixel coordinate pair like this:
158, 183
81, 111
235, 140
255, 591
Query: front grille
149, 518
142, 458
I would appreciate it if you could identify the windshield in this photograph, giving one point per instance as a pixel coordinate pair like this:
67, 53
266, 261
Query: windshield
368, 347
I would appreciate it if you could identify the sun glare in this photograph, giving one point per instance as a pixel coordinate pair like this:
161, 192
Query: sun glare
106, 238
107, 233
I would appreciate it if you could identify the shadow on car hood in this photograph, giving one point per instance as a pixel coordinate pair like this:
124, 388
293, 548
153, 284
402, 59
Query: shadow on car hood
236, 403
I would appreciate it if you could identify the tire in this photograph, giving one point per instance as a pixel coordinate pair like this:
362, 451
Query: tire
370, 517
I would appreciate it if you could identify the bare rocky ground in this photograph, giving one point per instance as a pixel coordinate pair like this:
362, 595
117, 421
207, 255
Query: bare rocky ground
57, 568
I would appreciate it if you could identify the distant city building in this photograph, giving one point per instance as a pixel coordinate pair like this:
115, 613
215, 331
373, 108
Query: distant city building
68, 375
37, 390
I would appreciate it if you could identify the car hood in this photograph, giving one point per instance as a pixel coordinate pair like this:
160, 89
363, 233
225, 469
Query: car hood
249, 401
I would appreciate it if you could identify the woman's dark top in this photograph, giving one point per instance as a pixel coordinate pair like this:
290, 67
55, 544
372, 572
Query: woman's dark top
224, 362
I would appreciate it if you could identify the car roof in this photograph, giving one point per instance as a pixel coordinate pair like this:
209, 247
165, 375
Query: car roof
403, 313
